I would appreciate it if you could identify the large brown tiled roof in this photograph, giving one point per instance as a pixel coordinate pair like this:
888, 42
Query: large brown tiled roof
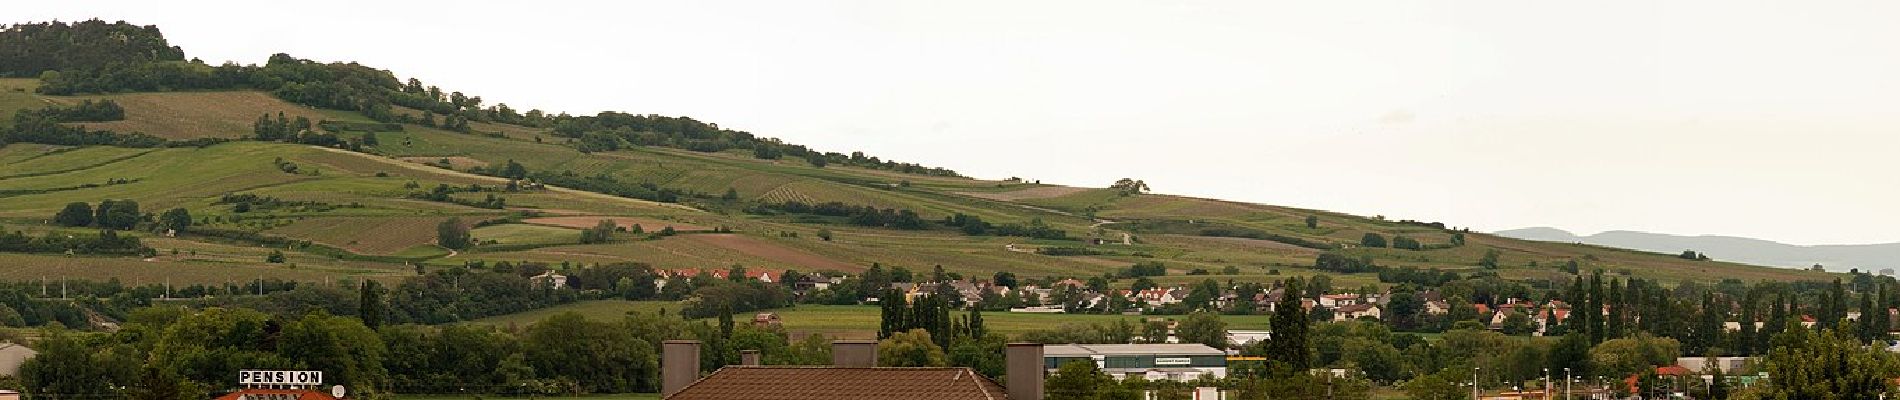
829, 383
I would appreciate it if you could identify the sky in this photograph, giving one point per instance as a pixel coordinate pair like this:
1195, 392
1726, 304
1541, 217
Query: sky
1773, 120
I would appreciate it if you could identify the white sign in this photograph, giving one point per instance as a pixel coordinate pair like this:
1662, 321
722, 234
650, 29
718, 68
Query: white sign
287, 378
1173, 361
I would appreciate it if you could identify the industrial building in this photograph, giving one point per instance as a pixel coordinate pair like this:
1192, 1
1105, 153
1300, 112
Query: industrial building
1174, 362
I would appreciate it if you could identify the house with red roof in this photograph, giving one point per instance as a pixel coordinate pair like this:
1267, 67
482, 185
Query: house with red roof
1158, 296
853, 375
1549, 316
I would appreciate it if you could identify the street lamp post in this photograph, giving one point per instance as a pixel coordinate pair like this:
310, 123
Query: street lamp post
1474, 383
1567, 379
1546, 383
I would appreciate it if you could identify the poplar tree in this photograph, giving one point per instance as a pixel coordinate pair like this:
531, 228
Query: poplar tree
370, 304
1745, 334
1594, 311
1289, 324
1613, 325
1777, 320
1836, 305
1706, 335
891, 313
1882, 322
1865, 329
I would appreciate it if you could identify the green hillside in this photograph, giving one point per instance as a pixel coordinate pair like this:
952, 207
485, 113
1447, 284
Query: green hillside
384, 162
376, 226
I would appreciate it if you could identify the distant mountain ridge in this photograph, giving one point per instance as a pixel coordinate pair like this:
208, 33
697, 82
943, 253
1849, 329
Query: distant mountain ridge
1730, 248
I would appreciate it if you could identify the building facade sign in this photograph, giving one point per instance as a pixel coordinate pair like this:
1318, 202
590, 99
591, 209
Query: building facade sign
280, 378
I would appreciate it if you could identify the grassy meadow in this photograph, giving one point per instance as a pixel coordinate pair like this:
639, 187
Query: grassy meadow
601, 310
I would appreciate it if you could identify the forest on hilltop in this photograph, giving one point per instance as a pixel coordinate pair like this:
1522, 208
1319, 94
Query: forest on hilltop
96, 57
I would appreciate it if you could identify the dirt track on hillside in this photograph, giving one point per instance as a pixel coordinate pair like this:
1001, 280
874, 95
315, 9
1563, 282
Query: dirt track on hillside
576, 192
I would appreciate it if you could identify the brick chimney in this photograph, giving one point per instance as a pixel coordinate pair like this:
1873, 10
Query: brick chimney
1023, 365
749, 358
854, 353
679, 365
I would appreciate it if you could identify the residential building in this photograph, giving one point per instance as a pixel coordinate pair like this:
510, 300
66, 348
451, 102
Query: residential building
765, 320
1158, 296
1338, 300
13, 355
1550, 315
814, 282
549, 280
715, 273
1244, 337
758, 275
1727, 364
1732, 326
1356, 311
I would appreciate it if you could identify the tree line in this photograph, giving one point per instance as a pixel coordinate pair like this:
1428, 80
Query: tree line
177, 353
49, 126
95, 57
859, 215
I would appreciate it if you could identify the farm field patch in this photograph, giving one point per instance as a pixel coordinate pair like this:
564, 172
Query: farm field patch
647, 224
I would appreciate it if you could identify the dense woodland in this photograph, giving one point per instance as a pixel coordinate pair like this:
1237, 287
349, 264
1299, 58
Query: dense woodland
26, 50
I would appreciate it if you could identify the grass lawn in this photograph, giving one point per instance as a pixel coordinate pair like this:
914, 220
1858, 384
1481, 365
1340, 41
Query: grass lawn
595, 309
525, 234
422, 251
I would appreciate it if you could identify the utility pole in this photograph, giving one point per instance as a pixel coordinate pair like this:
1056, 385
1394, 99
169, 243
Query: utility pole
1546, 383
1329, 385
1474, 383
1567, 380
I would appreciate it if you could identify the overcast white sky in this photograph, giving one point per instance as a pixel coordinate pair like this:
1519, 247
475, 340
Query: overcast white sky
1775, 120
